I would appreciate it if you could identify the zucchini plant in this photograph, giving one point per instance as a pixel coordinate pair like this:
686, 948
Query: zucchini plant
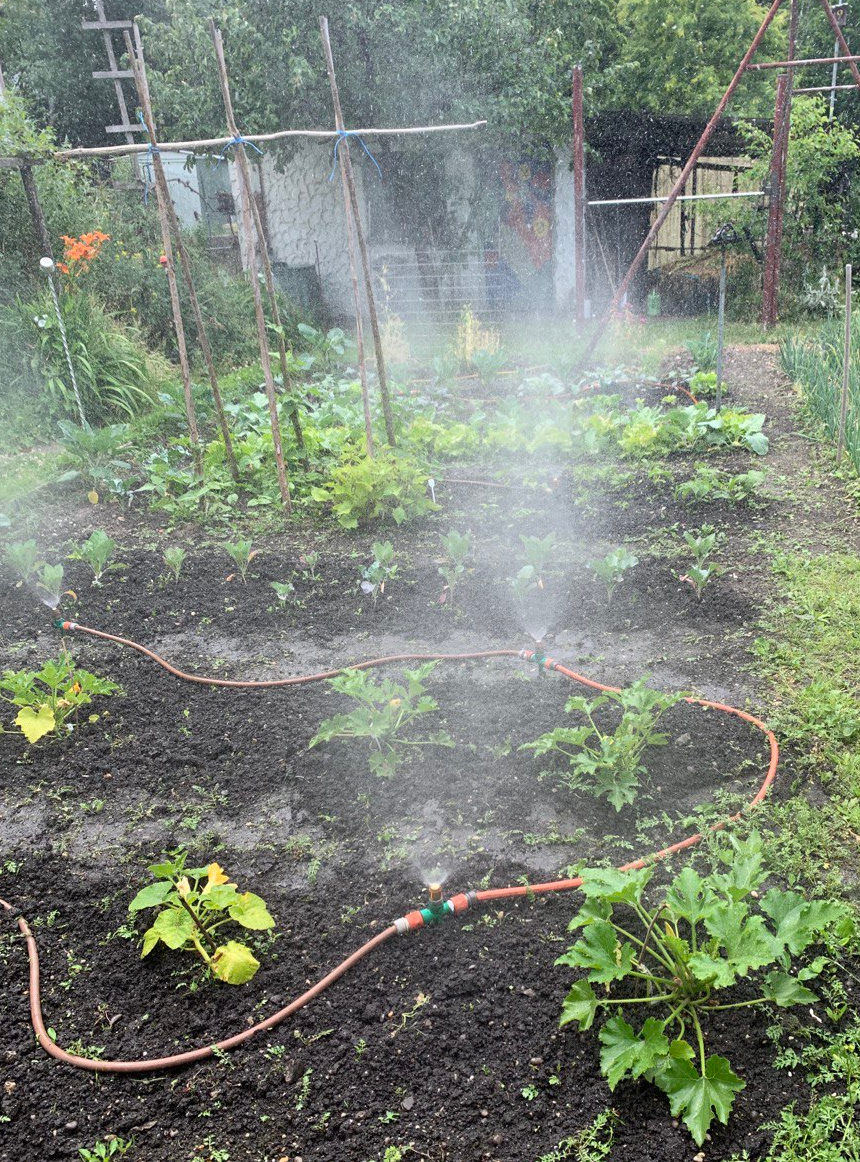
608, 762
674, 961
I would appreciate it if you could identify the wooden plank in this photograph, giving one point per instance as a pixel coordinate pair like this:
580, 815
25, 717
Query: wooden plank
112, 74
104, 25
129, 128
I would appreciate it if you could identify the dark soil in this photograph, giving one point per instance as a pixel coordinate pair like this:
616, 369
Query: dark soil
432, 1040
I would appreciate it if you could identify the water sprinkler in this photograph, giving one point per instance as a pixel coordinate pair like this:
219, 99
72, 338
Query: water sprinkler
46, 263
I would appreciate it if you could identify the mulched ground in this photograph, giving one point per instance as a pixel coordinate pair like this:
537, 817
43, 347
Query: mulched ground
433, 1040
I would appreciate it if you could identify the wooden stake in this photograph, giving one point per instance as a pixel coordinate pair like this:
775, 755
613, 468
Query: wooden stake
246, 226
142, 85
165, 210
32, 195
346, 163
846, 366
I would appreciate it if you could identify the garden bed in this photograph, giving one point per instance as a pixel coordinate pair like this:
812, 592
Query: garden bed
449, 1039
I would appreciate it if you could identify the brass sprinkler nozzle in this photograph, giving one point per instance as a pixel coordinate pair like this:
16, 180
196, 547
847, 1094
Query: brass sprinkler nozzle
435, 893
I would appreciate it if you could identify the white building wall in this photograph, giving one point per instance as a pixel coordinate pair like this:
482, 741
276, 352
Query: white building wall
304, 208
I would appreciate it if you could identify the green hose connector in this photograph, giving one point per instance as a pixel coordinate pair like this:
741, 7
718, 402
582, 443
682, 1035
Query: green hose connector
437, 911
59, 622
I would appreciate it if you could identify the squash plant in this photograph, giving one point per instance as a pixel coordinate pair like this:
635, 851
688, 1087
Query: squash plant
49, 697
675, 961
193, 904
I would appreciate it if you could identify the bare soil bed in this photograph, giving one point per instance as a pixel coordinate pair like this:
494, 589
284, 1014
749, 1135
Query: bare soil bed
433, 1039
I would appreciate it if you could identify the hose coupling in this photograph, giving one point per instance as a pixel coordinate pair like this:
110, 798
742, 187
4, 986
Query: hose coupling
539, 658
437, 911
61, 623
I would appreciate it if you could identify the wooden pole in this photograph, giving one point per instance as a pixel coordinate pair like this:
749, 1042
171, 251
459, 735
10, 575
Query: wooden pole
247, 232
578, 197
142, 84
846, 366
32, 195
776, 209
263, 251
346, 162
165, 209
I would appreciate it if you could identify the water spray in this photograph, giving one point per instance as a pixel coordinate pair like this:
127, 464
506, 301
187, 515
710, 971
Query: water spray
434, 912
47, 264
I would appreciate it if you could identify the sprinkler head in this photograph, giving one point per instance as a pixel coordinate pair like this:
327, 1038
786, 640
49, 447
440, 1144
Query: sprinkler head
46, 263
435, 893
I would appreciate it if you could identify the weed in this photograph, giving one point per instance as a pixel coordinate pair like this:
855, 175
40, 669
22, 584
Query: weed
110, 1147
457, 549
591, 1144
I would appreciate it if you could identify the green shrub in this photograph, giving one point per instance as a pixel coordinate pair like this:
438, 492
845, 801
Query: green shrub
389, 486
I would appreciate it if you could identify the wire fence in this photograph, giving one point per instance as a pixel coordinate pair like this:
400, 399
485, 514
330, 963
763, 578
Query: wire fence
428, 289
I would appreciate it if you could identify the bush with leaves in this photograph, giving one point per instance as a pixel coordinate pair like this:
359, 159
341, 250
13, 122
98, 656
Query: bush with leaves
383, 716
194, 903
49, 697
364, 489
676, 958
608, 762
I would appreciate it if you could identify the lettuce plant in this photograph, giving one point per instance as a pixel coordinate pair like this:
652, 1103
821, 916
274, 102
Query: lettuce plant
675, 961
193, 904
384, 713
608, 763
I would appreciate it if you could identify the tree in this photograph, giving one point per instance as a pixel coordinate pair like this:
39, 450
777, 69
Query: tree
679, 57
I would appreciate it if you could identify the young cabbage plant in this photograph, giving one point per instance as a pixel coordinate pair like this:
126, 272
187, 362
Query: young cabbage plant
49, 580
309, 562
23, 559
383, 716
381, 569
608, 763
538, 551
284, 590
611, 568
670, 965
712, 484
48, 698
96, 551
701, 544
457, 549
174, 559
193, 905
242, 555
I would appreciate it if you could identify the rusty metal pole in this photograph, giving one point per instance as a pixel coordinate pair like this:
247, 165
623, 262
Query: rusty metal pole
846, 367
841, 41
165, 209
138, 65
381, 372
246, 194
661, 217
578, 197
773, 243
776, 207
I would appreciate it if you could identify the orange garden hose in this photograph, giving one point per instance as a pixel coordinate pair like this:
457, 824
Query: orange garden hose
410, 922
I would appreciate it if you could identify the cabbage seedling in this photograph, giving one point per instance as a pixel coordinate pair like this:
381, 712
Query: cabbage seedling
457, 547
700, 543
309, 562
96, 551
193, 905
380, 570
23, 559
243, 555
611, 569
174, 558
674, 960
50, 581
283, 591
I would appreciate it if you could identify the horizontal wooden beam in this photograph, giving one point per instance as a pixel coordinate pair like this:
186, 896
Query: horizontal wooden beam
105, 25
112, 74
125, 128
